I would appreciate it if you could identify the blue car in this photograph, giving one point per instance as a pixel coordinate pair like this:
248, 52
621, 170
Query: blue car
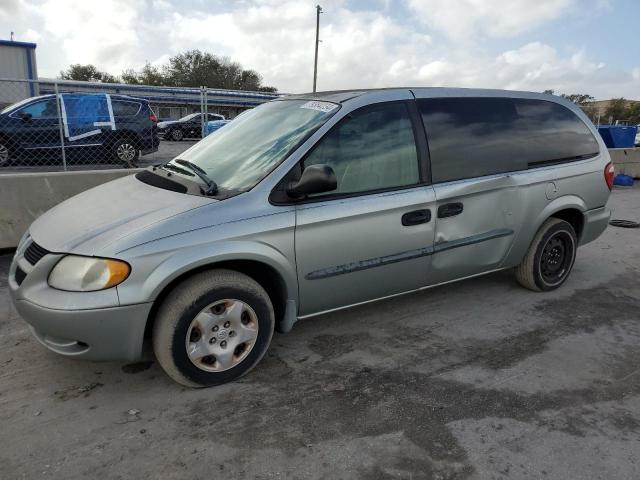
214, 125
92, 128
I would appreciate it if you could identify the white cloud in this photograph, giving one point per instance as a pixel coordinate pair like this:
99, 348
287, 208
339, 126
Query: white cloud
442, 43
464, 19
104, 33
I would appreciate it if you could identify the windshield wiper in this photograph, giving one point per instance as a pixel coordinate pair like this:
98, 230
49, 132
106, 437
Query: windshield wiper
174, 168
212, 188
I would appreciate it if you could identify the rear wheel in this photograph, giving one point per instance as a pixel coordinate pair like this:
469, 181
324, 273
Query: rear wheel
177, 134
126, 152
213, 328
550, 258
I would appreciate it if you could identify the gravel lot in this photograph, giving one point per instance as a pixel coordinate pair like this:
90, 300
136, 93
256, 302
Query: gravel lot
479, 379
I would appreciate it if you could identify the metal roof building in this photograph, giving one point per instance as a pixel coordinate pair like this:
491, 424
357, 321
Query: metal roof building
170, 102
19, 80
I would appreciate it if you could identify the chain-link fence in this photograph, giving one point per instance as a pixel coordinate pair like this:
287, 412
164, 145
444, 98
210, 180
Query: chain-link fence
51, 125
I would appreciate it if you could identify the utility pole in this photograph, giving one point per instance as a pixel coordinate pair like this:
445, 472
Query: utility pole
315, 62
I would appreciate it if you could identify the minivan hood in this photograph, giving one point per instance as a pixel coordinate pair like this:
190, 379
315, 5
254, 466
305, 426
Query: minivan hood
90, 221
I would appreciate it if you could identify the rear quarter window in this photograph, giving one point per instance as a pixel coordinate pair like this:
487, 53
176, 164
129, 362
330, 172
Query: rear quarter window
473, 137
123, 108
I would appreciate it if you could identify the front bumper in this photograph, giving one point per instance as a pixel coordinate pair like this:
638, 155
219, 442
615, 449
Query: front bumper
595, 222
100, 334
90, 325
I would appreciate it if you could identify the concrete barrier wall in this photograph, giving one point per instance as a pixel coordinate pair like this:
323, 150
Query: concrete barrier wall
26, 196
626, 160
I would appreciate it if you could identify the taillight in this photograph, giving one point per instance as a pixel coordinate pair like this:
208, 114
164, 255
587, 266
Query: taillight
609, 173
153, 118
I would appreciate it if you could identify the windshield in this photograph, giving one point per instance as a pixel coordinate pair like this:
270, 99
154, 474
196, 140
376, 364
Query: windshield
242, 153
189, 117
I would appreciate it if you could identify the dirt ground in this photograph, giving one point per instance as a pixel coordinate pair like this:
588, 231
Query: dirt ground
480, 379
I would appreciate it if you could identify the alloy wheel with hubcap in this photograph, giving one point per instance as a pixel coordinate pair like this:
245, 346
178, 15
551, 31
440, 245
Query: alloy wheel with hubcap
126, 153
222, 335
176, 134
213, 327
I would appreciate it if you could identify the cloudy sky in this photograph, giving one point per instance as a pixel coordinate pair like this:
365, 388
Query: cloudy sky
571, 46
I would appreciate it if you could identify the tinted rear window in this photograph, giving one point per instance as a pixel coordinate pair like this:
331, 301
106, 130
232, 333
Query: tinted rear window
123, 108
472, 137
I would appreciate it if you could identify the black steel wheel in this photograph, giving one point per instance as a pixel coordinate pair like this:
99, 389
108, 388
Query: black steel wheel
550, 257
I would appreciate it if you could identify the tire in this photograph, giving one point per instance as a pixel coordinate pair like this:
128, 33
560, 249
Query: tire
176, 134
184, 344
550, 257
126, 151
5, 154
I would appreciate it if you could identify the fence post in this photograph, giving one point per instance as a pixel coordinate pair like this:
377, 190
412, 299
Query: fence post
202, 116
60, 128
205, 116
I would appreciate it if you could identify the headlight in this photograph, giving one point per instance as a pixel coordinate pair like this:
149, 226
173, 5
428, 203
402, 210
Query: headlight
88, 274
24, 238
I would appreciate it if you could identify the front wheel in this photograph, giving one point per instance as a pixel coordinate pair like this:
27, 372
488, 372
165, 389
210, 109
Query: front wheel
213, 328
550, 257
5, 154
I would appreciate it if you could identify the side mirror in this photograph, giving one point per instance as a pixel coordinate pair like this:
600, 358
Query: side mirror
314, 179
25, 116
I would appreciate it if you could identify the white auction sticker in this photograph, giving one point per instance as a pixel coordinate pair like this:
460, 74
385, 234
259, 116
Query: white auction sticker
320, 106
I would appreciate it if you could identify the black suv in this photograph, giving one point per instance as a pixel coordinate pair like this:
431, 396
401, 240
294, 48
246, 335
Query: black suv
187, 127
31, 132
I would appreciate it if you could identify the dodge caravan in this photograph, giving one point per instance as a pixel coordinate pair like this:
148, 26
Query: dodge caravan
308, 204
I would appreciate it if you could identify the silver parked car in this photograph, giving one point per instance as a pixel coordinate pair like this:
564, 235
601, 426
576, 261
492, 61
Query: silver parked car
309, 204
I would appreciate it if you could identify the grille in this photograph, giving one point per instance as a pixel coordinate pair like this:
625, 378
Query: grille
34, 253
20, 276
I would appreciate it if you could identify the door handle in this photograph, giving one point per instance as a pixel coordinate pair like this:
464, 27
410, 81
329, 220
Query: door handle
450, 210
416, 217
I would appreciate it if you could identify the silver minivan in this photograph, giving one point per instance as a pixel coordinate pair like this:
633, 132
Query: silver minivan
309, 204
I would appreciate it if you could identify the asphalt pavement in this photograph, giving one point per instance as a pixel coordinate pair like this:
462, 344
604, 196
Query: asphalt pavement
479, 379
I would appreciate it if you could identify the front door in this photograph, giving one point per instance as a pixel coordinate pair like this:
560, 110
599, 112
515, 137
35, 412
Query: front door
37, 128
373, 236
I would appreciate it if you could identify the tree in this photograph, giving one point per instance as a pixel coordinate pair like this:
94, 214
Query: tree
633, 113
616, 110
87, 73
149, 75
192, 68
195, 69
581, 99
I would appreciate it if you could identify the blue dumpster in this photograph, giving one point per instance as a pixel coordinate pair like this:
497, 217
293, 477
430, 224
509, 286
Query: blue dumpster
618, 136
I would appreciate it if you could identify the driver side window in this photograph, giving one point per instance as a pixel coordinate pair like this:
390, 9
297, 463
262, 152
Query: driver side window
41, 110
372, 149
